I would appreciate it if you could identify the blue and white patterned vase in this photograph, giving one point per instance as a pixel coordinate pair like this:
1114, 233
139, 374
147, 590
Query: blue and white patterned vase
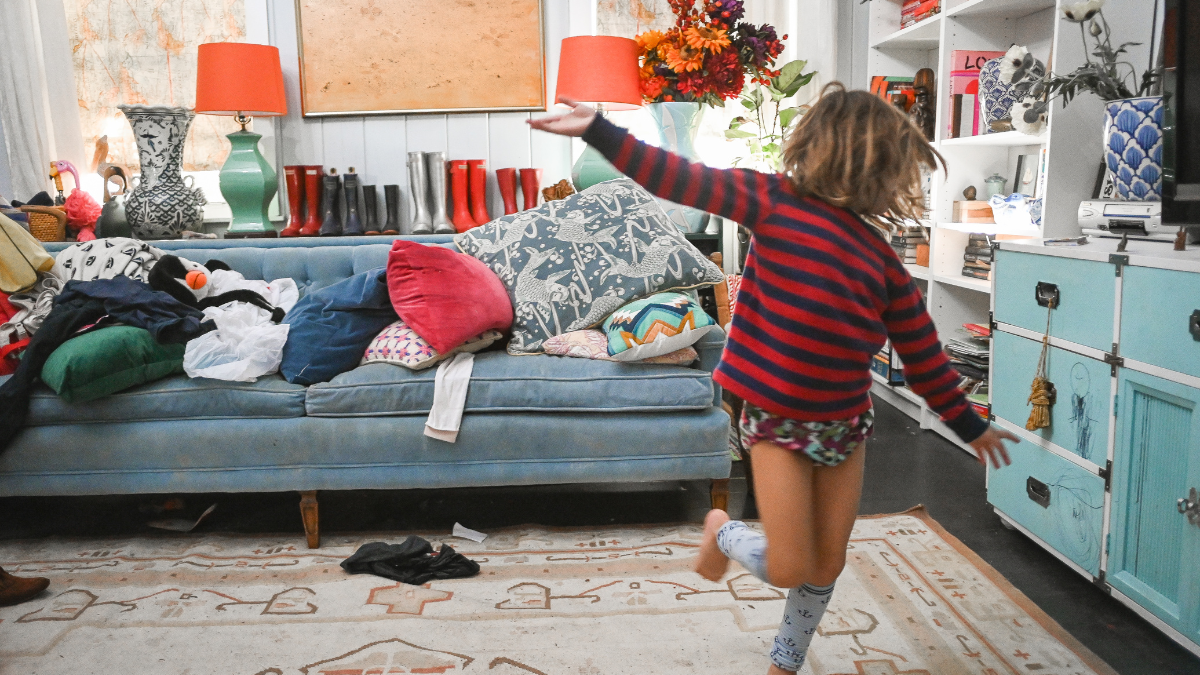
996, 97
162, 204
1133, 147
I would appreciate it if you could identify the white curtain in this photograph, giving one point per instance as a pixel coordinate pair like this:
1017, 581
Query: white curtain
38, 105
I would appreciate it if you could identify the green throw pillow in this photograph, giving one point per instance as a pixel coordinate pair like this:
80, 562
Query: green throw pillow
108, 360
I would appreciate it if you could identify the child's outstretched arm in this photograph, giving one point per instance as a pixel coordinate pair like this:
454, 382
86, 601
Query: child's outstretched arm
928, 372
737, 194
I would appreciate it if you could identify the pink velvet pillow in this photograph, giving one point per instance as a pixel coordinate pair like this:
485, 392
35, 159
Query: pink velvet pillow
445, 296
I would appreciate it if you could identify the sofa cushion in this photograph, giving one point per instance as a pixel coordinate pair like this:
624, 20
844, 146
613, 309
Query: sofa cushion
399, 345
108, 360
570, 263
657, 325
501, 383
175, 398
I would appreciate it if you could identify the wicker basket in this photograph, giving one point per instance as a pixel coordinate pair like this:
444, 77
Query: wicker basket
47, 223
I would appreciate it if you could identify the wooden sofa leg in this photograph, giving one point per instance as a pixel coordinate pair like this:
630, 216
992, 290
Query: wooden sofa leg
308, 513
720, 494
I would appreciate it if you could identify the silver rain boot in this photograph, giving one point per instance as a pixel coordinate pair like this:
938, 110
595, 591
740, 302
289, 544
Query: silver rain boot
422, 222
436, 162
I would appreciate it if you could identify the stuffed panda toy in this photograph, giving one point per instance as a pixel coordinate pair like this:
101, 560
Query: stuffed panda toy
188, 282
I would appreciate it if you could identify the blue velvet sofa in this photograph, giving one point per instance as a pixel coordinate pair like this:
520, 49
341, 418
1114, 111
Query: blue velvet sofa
528, 420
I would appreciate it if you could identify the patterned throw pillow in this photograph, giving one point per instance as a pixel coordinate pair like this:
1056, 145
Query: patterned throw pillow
593, 344
400, 345
570, 263
656, 325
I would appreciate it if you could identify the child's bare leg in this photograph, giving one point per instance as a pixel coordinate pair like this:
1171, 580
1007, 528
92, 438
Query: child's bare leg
783, 492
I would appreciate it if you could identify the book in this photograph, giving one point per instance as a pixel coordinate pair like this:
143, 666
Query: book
886, 86
983, 239
980, 251
976, 273
964, 81
978, 264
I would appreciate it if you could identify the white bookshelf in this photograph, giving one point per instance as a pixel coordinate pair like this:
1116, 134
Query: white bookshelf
1073, 149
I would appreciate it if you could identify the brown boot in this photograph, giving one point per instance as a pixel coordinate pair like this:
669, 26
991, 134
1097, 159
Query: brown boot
15, 590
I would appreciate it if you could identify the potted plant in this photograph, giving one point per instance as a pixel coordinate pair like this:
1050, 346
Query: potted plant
704, 60
768, 117
1133, 107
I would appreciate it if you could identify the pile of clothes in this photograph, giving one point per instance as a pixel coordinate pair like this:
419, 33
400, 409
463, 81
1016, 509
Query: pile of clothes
231, 326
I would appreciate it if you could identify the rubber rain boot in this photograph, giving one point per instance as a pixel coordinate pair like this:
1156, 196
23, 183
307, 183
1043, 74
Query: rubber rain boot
369, 211
353, 226
418, 184
531, 183
477, 180
312, 201
391, 202
331, 223
507, 180
294, 180
461, 217
435, 163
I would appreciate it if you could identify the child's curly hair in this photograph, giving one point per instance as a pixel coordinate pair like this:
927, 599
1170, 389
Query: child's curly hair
856, 151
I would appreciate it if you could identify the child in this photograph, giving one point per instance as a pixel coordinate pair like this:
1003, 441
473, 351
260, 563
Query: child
822, 291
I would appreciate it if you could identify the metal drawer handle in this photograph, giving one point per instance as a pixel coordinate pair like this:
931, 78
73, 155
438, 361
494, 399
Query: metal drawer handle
1038, 492
1190, 507
1194, 325
1046, 294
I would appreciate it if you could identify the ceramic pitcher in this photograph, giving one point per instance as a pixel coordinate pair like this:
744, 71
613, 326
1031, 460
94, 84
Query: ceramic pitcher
162, 204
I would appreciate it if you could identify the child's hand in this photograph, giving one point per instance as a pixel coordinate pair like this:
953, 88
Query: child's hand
990, 446
573, 123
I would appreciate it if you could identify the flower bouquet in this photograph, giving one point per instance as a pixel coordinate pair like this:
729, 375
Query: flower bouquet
706, 57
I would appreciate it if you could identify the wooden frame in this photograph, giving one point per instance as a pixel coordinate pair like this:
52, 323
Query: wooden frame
518, 92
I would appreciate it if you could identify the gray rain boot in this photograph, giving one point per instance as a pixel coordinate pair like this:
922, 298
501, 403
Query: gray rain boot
331, 225
422, 222
353, 226
436, 162
391, 201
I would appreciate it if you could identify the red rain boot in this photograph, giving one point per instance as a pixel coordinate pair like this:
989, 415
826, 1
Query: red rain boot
477, 177
312, 200
294, 180
507, 179
461, 217
531, 181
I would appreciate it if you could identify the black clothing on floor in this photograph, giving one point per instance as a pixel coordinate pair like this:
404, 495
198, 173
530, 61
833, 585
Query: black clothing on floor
123, 299
412, 562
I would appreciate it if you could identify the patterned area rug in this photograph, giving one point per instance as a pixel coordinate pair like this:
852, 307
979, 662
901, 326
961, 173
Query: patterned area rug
912, 601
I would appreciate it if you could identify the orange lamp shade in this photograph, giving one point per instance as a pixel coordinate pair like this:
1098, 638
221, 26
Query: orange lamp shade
236, 77
600, 69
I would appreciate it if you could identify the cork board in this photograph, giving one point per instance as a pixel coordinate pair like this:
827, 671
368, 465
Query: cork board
362, 57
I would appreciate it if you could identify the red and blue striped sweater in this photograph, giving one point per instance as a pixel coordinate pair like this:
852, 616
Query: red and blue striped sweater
821, 292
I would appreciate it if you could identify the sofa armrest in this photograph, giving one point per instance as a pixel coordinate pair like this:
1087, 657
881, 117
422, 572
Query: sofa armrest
710, 348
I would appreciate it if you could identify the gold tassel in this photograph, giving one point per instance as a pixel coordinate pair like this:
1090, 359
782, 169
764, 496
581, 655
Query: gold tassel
1041, 392
1039, 396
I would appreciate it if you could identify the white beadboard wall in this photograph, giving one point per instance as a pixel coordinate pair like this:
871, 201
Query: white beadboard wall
378, 146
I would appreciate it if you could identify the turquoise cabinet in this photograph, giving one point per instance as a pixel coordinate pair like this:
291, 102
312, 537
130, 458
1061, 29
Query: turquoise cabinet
1155, 554
1058, 501
1080, 417
1085, 291
1156, 318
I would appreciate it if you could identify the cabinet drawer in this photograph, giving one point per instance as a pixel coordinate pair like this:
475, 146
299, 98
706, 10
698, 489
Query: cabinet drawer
1082, 413
1156, 307
1060, 502
1086, 296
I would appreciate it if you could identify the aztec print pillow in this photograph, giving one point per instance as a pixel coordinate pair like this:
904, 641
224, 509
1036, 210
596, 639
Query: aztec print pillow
569, 263
656, 325
593, 344
400, 345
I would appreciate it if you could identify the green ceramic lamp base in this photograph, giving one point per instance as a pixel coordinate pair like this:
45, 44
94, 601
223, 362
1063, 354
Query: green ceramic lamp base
592, 168
248, 184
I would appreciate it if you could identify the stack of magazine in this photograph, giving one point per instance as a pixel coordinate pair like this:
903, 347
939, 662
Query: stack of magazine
977, 259
969, 354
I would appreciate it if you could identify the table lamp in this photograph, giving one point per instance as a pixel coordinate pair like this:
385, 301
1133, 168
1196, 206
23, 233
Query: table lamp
601, 71
243, 80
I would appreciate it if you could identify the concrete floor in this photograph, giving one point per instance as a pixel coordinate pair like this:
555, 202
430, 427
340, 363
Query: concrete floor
906, 466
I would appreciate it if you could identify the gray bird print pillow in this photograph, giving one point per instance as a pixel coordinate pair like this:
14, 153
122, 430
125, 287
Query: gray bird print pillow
570, 263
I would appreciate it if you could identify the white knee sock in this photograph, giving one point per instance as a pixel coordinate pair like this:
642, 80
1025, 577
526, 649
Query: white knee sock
805, 605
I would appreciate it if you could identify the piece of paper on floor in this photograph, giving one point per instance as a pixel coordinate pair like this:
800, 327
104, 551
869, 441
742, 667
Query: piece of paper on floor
467, 533
180, 524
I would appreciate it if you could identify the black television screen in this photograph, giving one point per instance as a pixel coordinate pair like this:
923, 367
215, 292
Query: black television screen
1181, 124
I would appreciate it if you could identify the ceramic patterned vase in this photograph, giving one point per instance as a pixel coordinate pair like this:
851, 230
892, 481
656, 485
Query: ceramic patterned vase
996, 98
163, 204
1133, 147
678, 123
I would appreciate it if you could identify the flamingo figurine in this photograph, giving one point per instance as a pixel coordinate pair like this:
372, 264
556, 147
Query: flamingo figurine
82, 210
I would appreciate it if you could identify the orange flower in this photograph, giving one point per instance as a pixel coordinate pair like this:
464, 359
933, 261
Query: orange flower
705, 37
649, 40
652, 87
684, 59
